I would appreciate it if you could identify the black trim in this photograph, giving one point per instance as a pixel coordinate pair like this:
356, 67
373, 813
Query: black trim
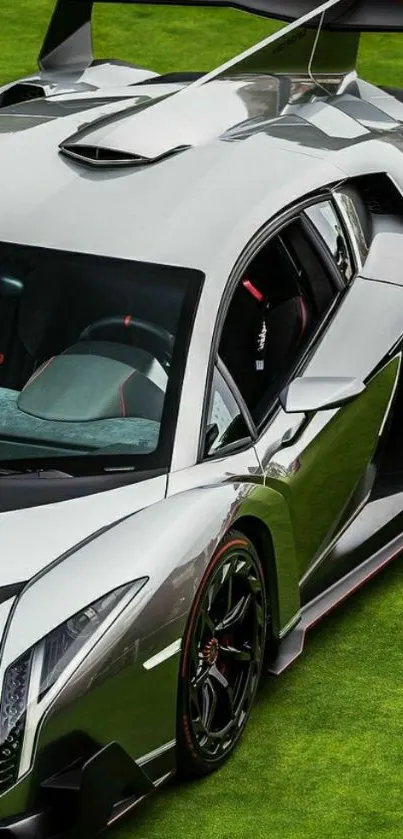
83, 798
107, 778
12, 590
233, 387
171, 78
42, 824
20, 492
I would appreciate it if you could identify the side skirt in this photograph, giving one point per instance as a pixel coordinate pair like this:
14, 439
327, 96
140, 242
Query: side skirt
293, 644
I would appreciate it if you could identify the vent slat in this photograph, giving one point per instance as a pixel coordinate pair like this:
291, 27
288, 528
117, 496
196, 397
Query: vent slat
103, 156
21, 92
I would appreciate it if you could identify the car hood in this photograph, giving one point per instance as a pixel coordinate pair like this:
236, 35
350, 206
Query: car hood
31, 539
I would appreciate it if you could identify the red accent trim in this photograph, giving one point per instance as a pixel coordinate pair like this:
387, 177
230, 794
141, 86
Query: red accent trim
127, 320
360, 584
253, 290
122, 396
39, 372
304, 316
242, 543
1, 357
311, 624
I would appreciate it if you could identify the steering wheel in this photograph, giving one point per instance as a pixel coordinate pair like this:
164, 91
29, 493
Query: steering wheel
146, 336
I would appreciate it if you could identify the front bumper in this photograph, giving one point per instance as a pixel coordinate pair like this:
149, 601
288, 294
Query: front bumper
84, 799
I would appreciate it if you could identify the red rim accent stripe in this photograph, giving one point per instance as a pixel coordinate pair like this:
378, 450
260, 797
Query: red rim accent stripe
371, 575
233, 543
127, 320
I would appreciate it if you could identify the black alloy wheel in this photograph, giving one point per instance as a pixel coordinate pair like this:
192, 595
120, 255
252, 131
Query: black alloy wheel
222, 656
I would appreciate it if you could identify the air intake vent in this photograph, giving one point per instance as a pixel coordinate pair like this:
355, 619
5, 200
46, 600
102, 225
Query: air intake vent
100, 156
22, 92
96, 156
380, 195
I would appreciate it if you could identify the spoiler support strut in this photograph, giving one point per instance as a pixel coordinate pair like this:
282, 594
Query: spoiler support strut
68, 42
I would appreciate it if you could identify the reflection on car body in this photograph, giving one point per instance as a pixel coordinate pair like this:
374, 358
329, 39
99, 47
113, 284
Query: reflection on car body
200, 395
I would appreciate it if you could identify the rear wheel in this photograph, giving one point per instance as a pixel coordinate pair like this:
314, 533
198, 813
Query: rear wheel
222, 655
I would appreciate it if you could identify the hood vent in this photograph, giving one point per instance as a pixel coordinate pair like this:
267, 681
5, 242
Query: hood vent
23, 92
101, 156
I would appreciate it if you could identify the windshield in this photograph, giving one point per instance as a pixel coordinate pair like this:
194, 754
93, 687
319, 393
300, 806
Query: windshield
92, 353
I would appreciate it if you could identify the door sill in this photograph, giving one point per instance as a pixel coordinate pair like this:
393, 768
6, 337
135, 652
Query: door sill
291, 647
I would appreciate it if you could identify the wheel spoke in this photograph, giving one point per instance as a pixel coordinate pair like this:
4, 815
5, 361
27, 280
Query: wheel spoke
212, 592
223, 682
209, 623
229, 598
200, 678
232, 653
206, 624
209, 704
219, 677
236, 615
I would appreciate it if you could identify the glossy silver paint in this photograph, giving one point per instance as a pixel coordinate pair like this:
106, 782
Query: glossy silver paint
307, 394
258, 145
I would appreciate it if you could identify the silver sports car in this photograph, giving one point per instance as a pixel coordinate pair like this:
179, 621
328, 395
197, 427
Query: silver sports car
201, 400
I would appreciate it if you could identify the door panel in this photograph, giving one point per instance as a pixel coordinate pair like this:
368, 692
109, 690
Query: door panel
234, 484
319, 473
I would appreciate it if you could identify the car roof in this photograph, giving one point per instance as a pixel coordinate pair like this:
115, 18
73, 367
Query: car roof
211, 178
107, 158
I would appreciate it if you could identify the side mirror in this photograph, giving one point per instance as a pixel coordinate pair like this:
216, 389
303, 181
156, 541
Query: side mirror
306, 395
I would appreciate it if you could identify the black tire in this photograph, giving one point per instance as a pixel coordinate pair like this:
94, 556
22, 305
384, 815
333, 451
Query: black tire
222, 656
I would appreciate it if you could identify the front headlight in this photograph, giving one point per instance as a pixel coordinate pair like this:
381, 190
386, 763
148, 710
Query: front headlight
12, 718
28, 680
63, 644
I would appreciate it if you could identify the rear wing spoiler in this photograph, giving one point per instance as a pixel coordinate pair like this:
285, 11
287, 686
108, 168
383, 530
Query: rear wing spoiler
68, 41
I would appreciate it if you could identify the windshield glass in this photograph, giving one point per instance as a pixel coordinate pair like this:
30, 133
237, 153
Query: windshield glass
92, 352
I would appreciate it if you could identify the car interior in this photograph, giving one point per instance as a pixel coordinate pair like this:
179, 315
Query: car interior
86, 348
277, 306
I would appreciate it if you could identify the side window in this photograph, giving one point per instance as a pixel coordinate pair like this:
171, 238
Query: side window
324, 218
225, 422
283, 296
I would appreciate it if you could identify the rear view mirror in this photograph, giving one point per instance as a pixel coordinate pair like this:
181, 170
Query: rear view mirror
305, 395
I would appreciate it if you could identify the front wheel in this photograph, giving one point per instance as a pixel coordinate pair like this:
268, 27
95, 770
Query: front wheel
222, 656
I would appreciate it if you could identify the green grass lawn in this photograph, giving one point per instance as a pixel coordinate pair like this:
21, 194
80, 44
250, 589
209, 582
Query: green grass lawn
166, 38
322, 756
